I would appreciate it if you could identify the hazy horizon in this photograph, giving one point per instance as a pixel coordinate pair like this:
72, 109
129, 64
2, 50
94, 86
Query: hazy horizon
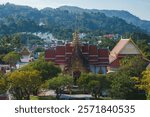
138, 8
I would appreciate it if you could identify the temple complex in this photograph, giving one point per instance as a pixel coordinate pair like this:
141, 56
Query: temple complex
76, 57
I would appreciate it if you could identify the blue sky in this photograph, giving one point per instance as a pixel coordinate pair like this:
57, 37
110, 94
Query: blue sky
140, 8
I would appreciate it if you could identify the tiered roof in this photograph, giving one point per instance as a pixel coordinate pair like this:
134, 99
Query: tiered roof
63, 54
75, 54
50, 54
103, 56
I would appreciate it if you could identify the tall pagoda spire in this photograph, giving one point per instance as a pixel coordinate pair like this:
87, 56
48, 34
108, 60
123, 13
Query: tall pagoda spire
76, 40
78, 61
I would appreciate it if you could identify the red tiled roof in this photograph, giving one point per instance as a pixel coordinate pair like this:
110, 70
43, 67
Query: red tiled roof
115, 63
62, 54
109, 35
93, 50
112, 58
50, 53
115, 53
103, 60
68, 48
103, 52
93, 58
60, 58
120, 45
60, 50
85, 49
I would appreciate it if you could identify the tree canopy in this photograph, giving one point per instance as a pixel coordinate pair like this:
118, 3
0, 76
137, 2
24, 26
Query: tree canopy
93, 83
145, 82
11, 58
24, 83
3, 84
59, 83
47, 69
133, 65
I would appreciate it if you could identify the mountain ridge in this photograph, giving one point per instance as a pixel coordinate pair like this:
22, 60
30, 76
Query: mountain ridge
60, 21
123, 14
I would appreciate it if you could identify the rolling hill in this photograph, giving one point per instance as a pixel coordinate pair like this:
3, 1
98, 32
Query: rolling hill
63, 21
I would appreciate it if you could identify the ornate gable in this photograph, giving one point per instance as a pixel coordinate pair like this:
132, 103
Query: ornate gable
130, 48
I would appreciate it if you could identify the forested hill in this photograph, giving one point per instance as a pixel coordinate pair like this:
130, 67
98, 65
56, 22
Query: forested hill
128, 17
61, 22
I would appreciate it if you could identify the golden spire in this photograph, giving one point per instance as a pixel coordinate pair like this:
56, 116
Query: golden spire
76, 40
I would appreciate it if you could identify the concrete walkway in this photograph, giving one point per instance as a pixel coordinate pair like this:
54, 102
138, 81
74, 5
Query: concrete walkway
66, 96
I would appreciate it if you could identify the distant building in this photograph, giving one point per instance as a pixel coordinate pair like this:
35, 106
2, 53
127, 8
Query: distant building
77, 57
111, 36
125, 47
25, 57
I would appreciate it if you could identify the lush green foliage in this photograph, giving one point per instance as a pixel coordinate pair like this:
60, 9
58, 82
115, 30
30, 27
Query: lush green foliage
124, 83
3, 83
9, 43
59, 83
24, 83
107, 43
133, 65
61, 23
123, 86
12, 58
145, 83
47, 69
93, 83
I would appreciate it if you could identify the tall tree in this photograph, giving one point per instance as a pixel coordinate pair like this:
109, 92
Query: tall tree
145, 83
133, 65
59, 83
24, 83
3, 84
47, 69
93, 83
123, 86
12, 58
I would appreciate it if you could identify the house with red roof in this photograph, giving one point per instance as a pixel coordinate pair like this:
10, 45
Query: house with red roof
76, 56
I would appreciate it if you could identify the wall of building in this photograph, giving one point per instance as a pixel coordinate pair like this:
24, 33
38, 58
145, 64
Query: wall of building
98, 69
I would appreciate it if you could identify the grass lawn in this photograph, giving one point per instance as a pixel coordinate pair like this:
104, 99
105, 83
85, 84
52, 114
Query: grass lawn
42, 97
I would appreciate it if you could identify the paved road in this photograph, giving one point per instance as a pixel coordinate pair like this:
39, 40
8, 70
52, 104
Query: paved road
66, 96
